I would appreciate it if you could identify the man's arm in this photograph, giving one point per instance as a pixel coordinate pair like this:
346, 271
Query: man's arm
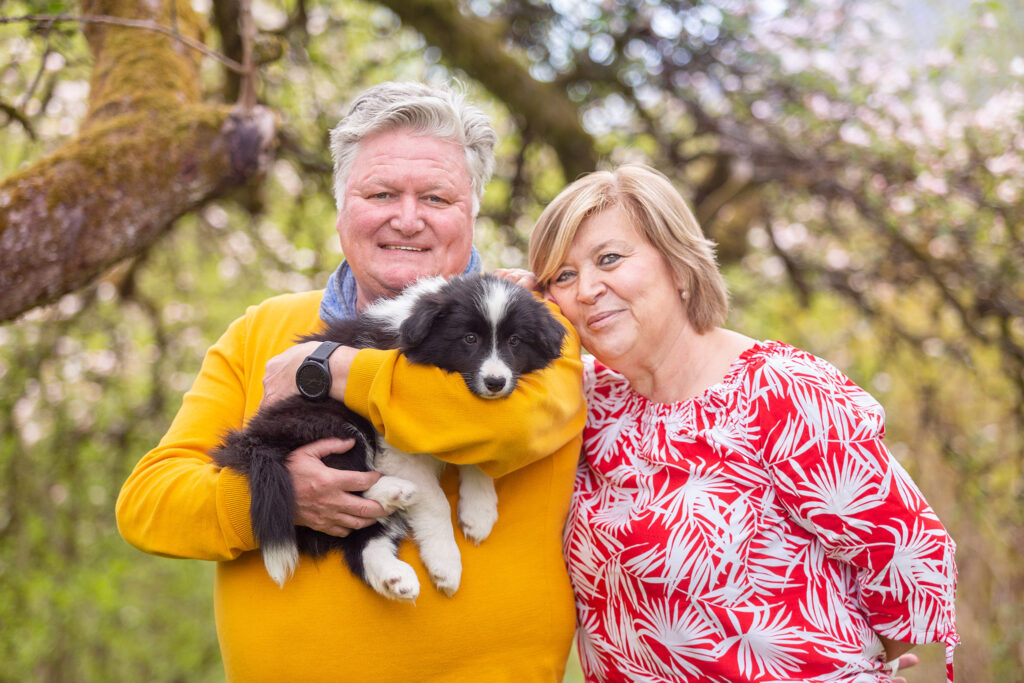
177, 503
424, 409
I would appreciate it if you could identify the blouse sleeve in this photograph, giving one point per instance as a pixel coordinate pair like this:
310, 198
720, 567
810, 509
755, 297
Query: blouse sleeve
823, 448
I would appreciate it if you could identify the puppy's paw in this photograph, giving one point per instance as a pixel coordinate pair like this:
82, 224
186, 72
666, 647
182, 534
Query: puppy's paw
447, 579
444, 564
477, 520
392, 493
397, 582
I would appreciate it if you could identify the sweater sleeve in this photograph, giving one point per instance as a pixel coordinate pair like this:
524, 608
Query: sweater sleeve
421, 409
838, 480
176, 503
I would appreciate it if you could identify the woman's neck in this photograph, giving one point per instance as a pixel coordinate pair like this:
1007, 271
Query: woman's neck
685, 366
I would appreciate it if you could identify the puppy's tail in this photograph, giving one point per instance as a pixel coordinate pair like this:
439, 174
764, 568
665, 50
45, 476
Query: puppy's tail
272, 500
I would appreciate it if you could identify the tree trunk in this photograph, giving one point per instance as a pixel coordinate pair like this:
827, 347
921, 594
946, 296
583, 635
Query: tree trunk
147, 152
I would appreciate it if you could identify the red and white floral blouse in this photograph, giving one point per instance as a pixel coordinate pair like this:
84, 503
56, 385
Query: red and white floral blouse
759, 532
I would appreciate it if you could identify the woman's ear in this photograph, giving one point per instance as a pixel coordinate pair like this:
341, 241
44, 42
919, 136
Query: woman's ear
681, 281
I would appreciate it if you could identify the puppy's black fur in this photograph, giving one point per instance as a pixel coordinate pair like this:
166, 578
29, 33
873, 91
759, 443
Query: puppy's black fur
461, 326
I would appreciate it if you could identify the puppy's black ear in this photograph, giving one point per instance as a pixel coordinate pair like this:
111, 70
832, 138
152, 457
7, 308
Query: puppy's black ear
550, 335
414, 330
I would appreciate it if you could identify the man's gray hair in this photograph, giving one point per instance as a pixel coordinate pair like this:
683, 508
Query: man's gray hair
437, 111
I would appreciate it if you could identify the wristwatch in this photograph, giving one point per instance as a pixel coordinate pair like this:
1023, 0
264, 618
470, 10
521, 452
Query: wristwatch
313, 378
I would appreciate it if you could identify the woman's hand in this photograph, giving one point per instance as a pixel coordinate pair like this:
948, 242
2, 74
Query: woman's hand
905, 662
523, 278
323, 495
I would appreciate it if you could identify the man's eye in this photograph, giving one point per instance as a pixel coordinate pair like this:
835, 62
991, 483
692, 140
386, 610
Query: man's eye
379, 195
470, 338
434, 199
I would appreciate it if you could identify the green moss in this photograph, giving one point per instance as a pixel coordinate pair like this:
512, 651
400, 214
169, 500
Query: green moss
136, 68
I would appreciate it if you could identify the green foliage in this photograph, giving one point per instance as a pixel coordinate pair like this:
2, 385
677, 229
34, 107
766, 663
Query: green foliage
869, 215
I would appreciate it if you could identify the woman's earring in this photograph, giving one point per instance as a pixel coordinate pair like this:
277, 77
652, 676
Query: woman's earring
682, 293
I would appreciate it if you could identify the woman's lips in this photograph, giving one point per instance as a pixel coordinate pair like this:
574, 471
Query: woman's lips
598, 320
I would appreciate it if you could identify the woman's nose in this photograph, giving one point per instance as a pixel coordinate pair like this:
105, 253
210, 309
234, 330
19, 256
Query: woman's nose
590, 286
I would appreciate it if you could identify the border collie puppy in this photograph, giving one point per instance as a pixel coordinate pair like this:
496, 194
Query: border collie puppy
490, 331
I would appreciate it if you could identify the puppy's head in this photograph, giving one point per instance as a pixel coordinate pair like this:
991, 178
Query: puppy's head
487, 329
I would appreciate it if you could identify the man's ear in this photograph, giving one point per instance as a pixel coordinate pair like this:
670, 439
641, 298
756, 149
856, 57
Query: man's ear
417, 326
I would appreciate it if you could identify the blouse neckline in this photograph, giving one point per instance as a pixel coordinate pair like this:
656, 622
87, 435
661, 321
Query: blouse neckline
712, 395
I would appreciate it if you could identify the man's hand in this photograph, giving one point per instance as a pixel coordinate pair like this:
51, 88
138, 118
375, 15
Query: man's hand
322, 494
279, 375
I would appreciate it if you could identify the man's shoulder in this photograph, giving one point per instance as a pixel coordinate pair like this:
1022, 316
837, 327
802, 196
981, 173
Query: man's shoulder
295, 301
298, 309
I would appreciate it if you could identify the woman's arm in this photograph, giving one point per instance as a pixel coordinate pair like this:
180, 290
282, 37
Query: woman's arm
835, 477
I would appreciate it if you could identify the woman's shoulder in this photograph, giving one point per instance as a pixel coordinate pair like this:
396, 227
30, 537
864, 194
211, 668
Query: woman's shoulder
775, 370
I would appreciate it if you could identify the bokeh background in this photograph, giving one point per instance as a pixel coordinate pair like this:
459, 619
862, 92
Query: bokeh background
859, 162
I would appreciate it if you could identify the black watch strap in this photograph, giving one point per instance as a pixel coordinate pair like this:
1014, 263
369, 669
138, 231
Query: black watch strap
313, 377
323, 352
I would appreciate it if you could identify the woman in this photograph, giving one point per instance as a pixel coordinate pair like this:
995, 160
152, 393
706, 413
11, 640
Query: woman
736, 516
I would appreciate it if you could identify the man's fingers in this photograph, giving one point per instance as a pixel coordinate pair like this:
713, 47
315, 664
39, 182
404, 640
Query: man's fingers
343, 525
360, 508
324, 447
350, 480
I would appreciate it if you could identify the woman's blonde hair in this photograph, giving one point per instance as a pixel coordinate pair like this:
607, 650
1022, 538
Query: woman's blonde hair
658, 212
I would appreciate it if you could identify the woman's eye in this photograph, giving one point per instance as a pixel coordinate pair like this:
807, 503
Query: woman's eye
563, 276
470, 338
608, 259
513, 340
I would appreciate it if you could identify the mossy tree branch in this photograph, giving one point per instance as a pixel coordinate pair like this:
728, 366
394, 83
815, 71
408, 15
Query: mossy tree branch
147, 152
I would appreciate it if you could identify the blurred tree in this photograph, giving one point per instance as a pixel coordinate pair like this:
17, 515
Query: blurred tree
866, 201
147, 152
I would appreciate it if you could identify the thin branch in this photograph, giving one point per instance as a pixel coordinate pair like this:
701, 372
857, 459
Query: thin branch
247, 96
50, 19
39, 75
13, 114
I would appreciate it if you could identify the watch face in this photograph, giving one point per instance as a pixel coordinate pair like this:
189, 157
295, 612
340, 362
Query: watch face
312, 380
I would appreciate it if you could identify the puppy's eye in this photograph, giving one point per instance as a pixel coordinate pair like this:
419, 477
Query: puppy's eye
470, 338
514, 340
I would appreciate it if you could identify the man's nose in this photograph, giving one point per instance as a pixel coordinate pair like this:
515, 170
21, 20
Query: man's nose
407, 219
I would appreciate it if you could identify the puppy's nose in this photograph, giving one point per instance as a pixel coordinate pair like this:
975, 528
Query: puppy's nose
494, 383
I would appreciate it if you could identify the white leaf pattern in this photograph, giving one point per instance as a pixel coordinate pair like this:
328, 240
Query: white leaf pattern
760, 532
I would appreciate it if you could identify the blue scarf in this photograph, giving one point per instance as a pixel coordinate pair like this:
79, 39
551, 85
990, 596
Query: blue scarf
339, 302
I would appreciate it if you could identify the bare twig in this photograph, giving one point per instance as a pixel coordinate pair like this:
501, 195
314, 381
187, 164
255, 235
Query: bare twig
14, 114
50, 19
247, 95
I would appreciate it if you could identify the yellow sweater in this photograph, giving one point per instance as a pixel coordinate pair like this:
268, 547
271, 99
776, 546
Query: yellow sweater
512, 618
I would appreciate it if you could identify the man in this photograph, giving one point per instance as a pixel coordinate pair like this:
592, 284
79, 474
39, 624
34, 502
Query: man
410, 166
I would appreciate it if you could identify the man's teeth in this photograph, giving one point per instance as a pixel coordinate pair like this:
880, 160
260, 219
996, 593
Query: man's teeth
400, 248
